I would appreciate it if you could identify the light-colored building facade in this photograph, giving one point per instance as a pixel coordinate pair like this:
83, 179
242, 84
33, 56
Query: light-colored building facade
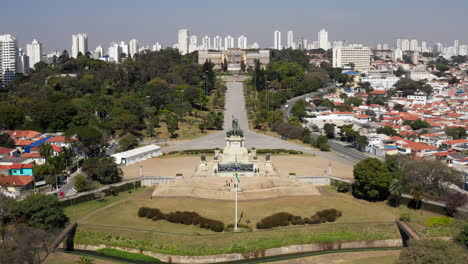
79, 44
23, 62
217, 43
183, 41
34, 52
290, 40
242, 42
8, 57
228, 42
206, 43
357, 55
323, 39
234, 57
157, 47
193, 44
133, 47
114, 52
277, 40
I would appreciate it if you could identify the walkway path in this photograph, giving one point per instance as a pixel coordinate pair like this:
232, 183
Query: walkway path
235, 107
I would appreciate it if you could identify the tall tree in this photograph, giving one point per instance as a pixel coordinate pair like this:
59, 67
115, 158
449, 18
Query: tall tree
372, 179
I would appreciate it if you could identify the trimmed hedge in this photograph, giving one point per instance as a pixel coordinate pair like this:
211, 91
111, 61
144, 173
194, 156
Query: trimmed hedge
185, 217
285, 219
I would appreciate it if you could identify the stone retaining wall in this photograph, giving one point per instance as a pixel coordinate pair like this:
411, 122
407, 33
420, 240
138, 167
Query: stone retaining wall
262, 253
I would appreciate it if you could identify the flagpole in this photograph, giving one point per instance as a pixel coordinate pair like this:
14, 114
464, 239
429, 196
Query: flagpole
235, 220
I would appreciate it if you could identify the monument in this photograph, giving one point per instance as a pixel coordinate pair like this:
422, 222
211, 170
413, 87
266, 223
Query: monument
235, 157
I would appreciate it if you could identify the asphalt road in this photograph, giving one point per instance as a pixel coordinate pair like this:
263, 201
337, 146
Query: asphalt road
235, 107
289, 103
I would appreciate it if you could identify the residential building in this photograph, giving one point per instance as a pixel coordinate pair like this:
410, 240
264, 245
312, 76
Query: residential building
133, 47
228, 42
34, 52
402, 44
183, 41
357, 55
206, 43
22, 63
277, 39
413, 45
290, 40
323, 39
8, 56
193, 45
242, 42
124, 49
79, 44
114, 52
157, 47
385, 47
217, 43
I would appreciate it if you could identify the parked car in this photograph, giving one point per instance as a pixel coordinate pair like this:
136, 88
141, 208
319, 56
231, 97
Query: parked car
61, 194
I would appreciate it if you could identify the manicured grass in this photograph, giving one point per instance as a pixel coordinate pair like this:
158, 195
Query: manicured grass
426, 229
131, 231
75, 212
68, 258
127, 255
374, 260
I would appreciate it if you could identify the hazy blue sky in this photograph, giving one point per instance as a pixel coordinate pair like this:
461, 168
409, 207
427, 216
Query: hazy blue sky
368, 21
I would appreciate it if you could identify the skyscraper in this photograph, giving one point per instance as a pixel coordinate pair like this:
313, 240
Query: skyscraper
323, 39
217, 43
133, 47
193, 45
413, 45
300, 43
277, 44
290, 42
34, 52
228, 42
124, 48
22, 63
183, 41
114, 52
206, 45
8, 55
242, 42
157, 47
79, 44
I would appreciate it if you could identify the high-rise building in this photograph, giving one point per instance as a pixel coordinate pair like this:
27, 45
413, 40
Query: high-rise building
397, 54
413, 45
114, 52
463, 50
124, 48
183, 41
97, 53
34, 52
8, 55
133, 47
300, 44
22, 63
79, 44
290, 41
385, 47
193, 45
455, 45
355, 54
206, 43
424, 46
242, 42
379, 47
403, 44
217, 43
438, 47
254, 46
228, 42
323, 39
157, 47
277, 39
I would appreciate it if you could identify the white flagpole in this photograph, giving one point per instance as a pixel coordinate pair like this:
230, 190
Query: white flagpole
235, 220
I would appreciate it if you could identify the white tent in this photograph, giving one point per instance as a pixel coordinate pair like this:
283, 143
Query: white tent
136, 155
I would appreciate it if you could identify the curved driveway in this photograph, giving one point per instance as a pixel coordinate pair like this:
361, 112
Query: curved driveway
235, 106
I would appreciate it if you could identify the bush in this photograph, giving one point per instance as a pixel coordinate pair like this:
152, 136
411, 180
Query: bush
143, 211
328, 215
439, 221
324, 147
454, 201
126, 255
342, 186
432, 251
315, 219
275, 220
81, 183
405, 217
462, 237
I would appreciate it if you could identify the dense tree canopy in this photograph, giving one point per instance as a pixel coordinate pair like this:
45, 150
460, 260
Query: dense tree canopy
372, 179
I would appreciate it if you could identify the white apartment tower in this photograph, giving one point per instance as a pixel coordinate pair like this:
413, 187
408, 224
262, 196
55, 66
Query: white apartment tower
206, 43
323, 39
242, 42
217, 43
277, 39
133, 47
290, 42
228, 42
193, 45
183, 41
8, 56
22, 63
358, 55
413, 45
79, 44
114, 52
157, 47
34, 52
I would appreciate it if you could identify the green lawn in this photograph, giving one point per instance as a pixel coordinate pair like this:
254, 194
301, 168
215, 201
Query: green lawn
77, 211
131, 231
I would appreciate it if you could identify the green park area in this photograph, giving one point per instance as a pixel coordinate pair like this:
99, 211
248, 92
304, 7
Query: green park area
119, 224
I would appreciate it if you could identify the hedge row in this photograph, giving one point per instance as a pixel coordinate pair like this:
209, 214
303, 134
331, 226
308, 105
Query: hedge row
185, 217
192, 152
286, 219
278, 151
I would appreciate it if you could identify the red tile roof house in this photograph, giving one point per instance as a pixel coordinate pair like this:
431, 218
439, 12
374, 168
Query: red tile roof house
23, 134
38, 159
16, 184
61, 141
7, 152
435, 139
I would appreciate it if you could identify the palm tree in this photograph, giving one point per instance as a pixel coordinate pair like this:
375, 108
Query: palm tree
46, 150
418, 195
85, 260
396, 189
